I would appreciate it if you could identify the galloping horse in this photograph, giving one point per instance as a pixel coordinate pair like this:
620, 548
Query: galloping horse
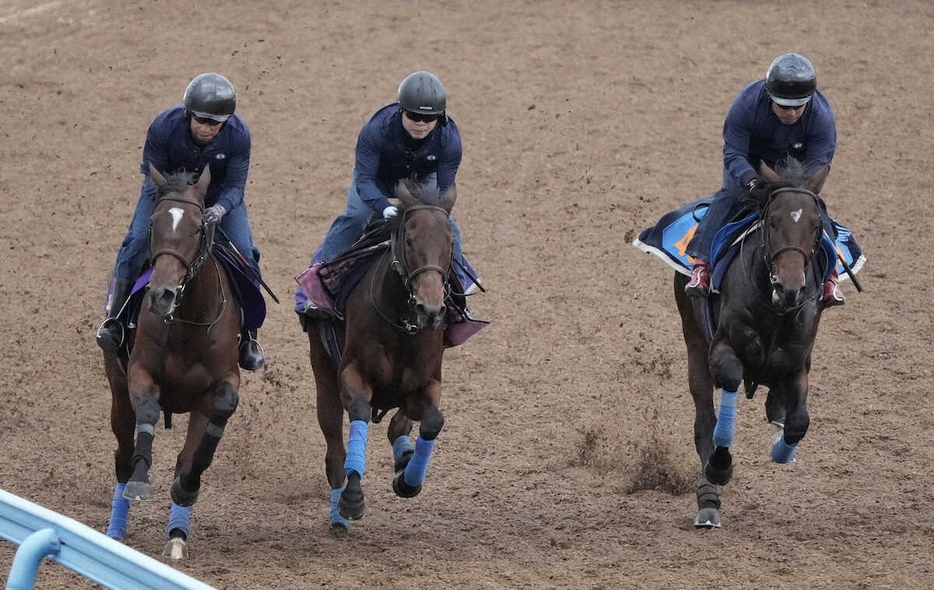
763, 323
392, 345
183, 358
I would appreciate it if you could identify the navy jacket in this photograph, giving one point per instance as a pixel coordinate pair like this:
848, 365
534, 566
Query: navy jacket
752, 133
170, 148
386, 154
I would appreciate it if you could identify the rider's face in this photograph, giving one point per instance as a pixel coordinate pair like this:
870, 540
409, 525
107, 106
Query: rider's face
788, 115
205, 129
418, 125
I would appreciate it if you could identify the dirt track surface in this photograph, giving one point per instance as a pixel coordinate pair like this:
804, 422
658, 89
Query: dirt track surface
583, 122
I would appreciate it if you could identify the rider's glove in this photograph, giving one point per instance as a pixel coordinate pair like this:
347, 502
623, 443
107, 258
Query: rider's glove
213, 214
390, 211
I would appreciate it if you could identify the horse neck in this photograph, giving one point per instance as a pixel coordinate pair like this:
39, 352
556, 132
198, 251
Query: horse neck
205, 292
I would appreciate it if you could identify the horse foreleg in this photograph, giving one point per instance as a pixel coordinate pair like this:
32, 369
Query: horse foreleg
188, 482
400, 427
797, 419
147, 414
727, 370
408, 482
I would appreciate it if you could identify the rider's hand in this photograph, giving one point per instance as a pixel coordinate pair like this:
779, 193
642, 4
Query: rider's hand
213, 214
390, 211
751, 185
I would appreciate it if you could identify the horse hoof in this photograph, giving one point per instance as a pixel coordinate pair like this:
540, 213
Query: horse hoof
707, 518
175, 548
402, 488
719, 475
182, 497
352, 508
137, 490
339, 526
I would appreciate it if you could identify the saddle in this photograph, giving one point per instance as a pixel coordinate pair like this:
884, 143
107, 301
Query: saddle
325, 286
669, 238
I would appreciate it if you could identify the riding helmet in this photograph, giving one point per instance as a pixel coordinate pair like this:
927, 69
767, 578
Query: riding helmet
790, 80
422, 92
210, 96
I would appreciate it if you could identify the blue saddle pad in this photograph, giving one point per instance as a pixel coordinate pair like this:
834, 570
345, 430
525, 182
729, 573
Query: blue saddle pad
669, 238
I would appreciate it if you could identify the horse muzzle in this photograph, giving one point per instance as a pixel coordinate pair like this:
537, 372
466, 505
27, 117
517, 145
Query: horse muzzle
164, 301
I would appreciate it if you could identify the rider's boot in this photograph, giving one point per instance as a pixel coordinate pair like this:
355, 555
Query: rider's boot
251, 353
699, 286
112, 333
832, 293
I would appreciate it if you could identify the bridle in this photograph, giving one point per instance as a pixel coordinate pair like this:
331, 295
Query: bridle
192, 266
400, 265
770, 252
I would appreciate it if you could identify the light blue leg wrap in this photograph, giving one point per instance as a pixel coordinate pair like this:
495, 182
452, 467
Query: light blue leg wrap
723, 433
417, 468
119, 511
336, 519
179, 518
356, 448
783, 452
400, 447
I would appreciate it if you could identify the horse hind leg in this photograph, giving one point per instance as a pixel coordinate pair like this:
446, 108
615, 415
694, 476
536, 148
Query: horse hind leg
400, 427
708, 505
178, 529
187, 484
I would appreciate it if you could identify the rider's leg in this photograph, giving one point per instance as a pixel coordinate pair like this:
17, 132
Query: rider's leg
236, 226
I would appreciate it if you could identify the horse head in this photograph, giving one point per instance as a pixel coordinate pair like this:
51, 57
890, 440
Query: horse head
179, 242
791, 230
421, 247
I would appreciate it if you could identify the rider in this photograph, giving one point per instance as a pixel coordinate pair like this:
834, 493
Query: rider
410, 138
204, 130
781, 115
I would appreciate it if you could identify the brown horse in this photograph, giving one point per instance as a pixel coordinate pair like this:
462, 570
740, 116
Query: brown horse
183, 357
763, 321
392, 344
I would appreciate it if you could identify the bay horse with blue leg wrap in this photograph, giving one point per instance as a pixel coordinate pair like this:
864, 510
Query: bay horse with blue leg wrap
762, 327
183, 357
391, 347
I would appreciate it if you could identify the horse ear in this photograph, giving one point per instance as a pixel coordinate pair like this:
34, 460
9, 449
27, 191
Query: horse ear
156, 176
404, 193
203, 181
816, 181
447, 201
767, 172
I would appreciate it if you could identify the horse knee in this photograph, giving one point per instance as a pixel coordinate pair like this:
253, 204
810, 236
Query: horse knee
358, 409
728, 371
225, 404
431, 424
147, 411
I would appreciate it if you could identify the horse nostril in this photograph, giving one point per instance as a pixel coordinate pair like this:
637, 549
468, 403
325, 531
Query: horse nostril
420, 309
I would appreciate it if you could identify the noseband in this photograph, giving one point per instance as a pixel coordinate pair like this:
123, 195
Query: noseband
204, 248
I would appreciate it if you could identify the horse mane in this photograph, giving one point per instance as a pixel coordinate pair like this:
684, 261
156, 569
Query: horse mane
790, 173
176, 182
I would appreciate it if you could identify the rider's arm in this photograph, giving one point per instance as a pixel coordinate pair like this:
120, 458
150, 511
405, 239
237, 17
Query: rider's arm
737, 132
450, 157
366, 167
238, 167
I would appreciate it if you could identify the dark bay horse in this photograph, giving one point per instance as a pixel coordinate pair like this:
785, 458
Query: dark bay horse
391, 343
183, 358
763, 321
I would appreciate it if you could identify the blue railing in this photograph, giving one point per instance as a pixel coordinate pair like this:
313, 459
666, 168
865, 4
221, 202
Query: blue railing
41, 533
